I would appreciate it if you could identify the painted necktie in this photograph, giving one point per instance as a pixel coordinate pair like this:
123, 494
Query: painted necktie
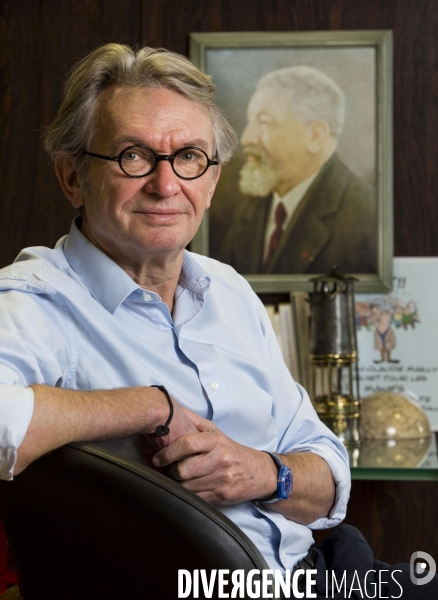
280, 218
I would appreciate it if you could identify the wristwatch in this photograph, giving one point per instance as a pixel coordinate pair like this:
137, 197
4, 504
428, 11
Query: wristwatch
284, 481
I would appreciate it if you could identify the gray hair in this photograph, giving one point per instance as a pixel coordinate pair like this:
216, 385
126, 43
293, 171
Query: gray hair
72, 130
313, 95
382, 304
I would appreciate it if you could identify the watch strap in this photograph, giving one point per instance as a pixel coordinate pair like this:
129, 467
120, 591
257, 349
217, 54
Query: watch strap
281, 469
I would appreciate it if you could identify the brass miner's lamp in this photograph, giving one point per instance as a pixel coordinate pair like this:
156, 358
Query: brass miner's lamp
333, 354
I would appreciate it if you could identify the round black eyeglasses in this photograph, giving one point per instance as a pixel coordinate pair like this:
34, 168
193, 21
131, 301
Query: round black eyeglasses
138, 161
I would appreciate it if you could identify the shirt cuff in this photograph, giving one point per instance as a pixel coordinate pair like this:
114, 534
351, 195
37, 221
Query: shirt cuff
16, 409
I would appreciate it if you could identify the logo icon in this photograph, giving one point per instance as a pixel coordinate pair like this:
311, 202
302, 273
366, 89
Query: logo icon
420, 563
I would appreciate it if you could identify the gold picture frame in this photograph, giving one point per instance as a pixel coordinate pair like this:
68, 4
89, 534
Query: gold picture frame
360, 62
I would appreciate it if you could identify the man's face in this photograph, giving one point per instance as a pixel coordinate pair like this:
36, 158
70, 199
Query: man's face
130, 219
381, 318
275, 143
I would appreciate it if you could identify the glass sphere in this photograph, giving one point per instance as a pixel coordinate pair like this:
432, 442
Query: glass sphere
389, 416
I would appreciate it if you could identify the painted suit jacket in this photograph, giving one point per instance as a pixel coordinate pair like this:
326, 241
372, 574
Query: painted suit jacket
335, 223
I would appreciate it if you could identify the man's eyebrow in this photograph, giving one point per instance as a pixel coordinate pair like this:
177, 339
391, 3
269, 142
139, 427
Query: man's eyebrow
127, 140
263, 114
201, 143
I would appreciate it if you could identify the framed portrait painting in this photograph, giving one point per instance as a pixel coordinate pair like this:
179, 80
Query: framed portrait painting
311, 186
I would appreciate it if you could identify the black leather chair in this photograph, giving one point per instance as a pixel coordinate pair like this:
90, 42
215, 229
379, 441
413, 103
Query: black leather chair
84, 523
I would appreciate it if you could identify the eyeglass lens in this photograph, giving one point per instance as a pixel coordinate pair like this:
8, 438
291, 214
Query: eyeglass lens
187, 162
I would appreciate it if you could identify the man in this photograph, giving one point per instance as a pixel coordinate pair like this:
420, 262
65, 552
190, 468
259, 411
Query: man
88, 329
305, 209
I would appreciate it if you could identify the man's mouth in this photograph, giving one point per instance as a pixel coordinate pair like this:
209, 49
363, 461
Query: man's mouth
157, 210
160, 215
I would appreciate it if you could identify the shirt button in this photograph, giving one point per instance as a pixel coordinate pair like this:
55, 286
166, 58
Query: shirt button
147, 297
283, 555
214, 385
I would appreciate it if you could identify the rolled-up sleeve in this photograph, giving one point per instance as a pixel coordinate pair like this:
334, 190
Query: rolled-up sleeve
337, 459
16, 408
341, 477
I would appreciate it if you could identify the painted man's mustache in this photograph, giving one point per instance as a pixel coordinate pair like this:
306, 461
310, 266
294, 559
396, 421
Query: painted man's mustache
256, 154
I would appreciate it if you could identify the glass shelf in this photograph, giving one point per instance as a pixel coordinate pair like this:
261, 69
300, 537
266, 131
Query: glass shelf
403, 460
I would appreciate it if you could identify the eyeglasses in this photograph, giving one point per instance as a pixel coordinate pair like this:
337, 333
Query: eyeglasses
138, 161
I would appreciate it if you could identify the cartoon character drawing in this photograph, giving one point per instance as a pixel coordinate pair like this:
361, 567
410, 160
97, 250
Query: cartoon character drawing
384, 336
409, 316
385, 314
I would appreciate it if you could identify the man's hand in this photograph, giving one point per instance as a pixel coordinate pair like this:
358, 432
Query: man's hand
221, 471
217, 468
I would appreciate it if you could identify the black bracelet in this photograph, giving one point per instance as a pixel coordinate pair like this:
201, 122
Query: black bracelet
163, 430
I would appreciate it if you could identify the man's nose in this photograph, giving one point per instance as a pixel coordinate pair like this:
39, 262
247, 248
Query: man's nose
163, 181
249, 135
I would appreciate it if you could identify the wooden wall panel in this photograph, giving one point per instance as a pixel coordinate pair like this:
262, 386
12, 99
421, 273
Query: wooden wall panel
41, 39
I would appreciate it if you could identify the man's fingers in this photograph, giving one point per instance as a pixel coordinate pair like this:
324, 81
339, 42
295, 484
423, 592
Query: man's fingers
211, 489
191, 468
218, 469
184, 447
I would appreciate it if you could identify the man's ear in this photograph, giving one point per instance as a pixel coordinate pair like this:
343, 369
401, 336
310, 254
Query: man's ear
215, 179
66, 173
318, 132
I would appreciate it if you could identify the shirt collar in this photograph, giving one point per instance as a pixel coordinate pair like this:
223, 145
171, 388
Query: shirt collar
193, 276
109, 283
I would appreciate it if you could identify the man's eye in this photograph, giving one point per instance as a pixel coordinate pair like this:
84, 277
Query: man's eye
188, 156
265, 121
130, 156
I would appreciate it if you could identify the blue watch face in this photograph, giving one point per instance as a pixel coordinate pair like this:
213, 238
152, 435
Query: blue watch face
284, 483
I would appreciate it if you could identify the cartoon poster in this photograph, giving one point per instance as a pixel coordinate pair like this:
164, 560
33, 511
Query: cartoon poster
397, 335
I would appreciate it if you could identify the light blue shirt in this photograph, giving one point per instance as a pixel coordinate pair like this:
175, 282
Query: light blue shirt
71, 318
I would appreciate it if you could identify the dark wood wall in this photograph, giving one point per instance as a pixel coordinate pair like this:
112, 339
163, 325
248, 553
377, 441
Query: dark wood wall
41, 39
